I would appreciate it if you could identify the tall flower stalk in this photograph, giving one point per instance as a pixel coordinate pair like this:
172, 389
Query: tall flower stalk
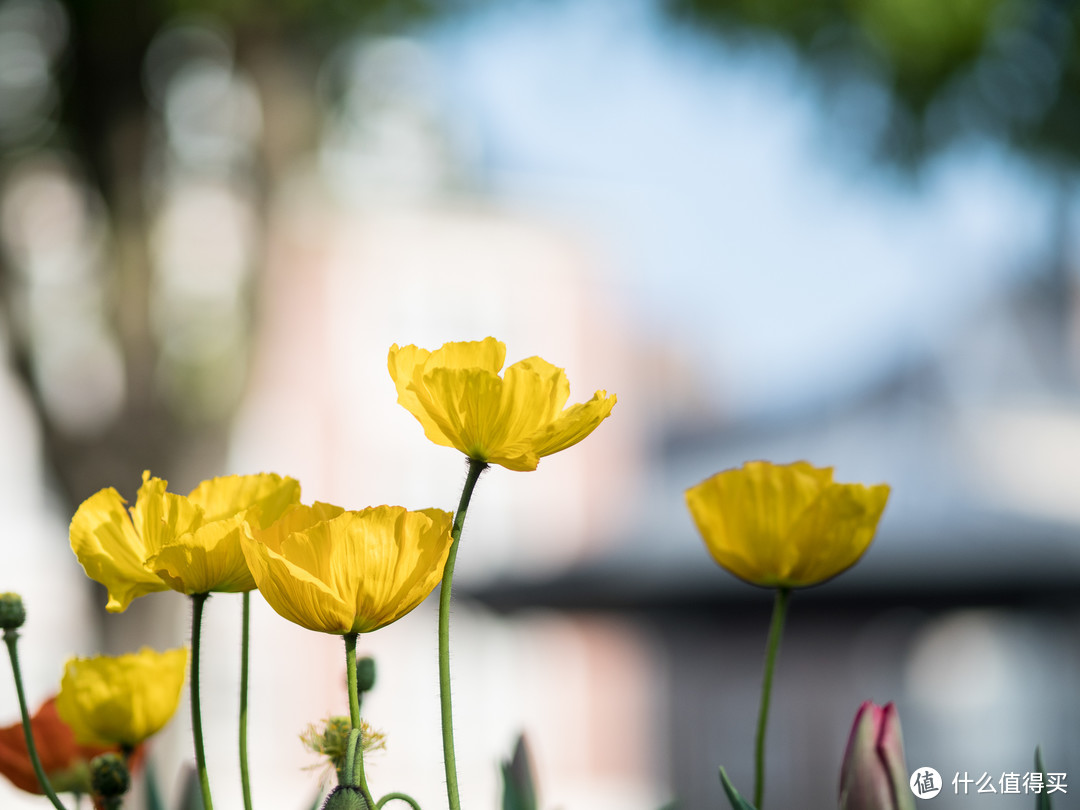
12, 616
776, 630
445, 700
463, 398
782, 526
357, 770
245, 639
197, 602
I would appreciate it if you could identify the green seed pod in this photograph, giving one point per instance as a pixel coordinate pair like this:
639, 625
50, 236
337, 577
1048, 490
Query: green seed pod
109, 776
365, 674
12, 612
346, 797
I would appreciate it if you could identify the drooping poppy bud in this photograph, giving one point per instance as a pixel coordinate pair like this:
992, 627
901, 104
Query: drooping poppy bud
874, 776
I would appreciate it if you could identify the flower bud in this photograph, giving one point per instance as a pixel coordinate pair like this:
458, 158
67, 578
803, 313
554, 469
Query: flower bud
345, 797
12, 612
365, 674
874, 776
109, 776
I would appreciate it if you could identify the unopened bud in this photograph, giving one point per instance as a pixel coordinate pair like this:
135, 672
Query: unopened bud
365, 674
12, 612
345, 797
109, 776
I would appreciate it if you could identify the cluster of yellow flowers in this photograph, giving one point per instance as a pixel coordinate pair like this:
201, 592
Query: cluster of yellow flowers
345, 572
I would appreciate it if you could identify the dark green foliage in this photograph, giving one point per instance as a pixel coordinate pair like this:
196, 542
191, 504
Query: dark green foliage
737, 801
1042, 800
1009, 69
519, 791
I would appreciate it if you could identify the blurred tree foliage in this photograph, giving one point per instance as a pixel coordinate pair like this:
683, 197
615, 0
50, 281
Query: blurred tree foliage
99, 124
1007, 69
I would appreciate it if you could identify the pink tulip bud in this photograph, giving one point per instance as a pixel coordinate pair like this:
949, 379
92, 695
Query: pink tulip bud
874, 776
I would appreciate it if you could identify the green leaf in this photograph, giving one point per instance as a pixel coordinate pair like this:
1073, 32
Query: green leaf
190, 793
151, 789
737, 801
519, 792
1042, 800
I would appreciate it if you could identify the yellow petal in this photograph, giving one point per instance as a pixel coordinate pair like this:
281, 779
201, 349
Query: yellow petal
229, 495
533, 395
463, 405
121, 700
784, 525
443, 417
459, 398
295, 593
834, 532
403, 558
208, 559
745, 515
296, 518
356, 572
111, 551
573, 424
160, 516
487, 355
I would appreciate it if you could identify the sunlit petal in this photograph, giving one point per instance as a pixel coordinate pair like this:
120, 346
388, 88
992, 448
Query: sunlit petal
295, 593
110, 550
208, 559
230, 495
355, 572
160, 516
459, 398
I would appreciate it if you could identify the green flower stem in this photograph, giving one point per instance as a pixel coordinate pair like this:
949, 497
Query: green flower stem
775, 631
449, 758
400, 796
354, 716
348, 770
11, 638
245, 643
197, 602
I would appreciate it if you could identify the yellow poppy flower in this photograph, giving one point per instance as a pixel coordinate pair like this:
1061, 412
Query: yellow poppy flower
121, 700
787, 525
459, 398
189, 544
352, 572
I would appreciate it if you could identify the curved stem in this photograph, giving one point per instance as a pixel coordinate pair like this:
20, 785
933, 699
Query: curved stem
775, 631
245, 641
348, 770
449, 757
405, 797
11, 638
197, 602
358, 776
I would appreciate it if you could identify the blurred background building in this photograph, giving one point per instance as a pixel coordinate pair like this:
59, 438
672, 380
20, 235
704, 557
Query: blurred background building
844, 233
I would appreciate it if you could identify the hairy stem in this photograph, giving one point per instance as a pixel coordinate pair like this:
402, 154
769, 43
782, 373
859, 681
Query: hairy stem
197, 602
11, 638
449, 757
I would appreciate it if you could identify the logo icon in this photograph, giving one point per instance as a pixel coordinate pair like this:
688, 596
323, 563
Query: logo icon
925, 782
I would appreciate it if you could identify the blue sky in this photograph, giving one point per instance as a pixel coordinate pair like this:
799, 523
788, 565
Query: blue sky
739, 212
